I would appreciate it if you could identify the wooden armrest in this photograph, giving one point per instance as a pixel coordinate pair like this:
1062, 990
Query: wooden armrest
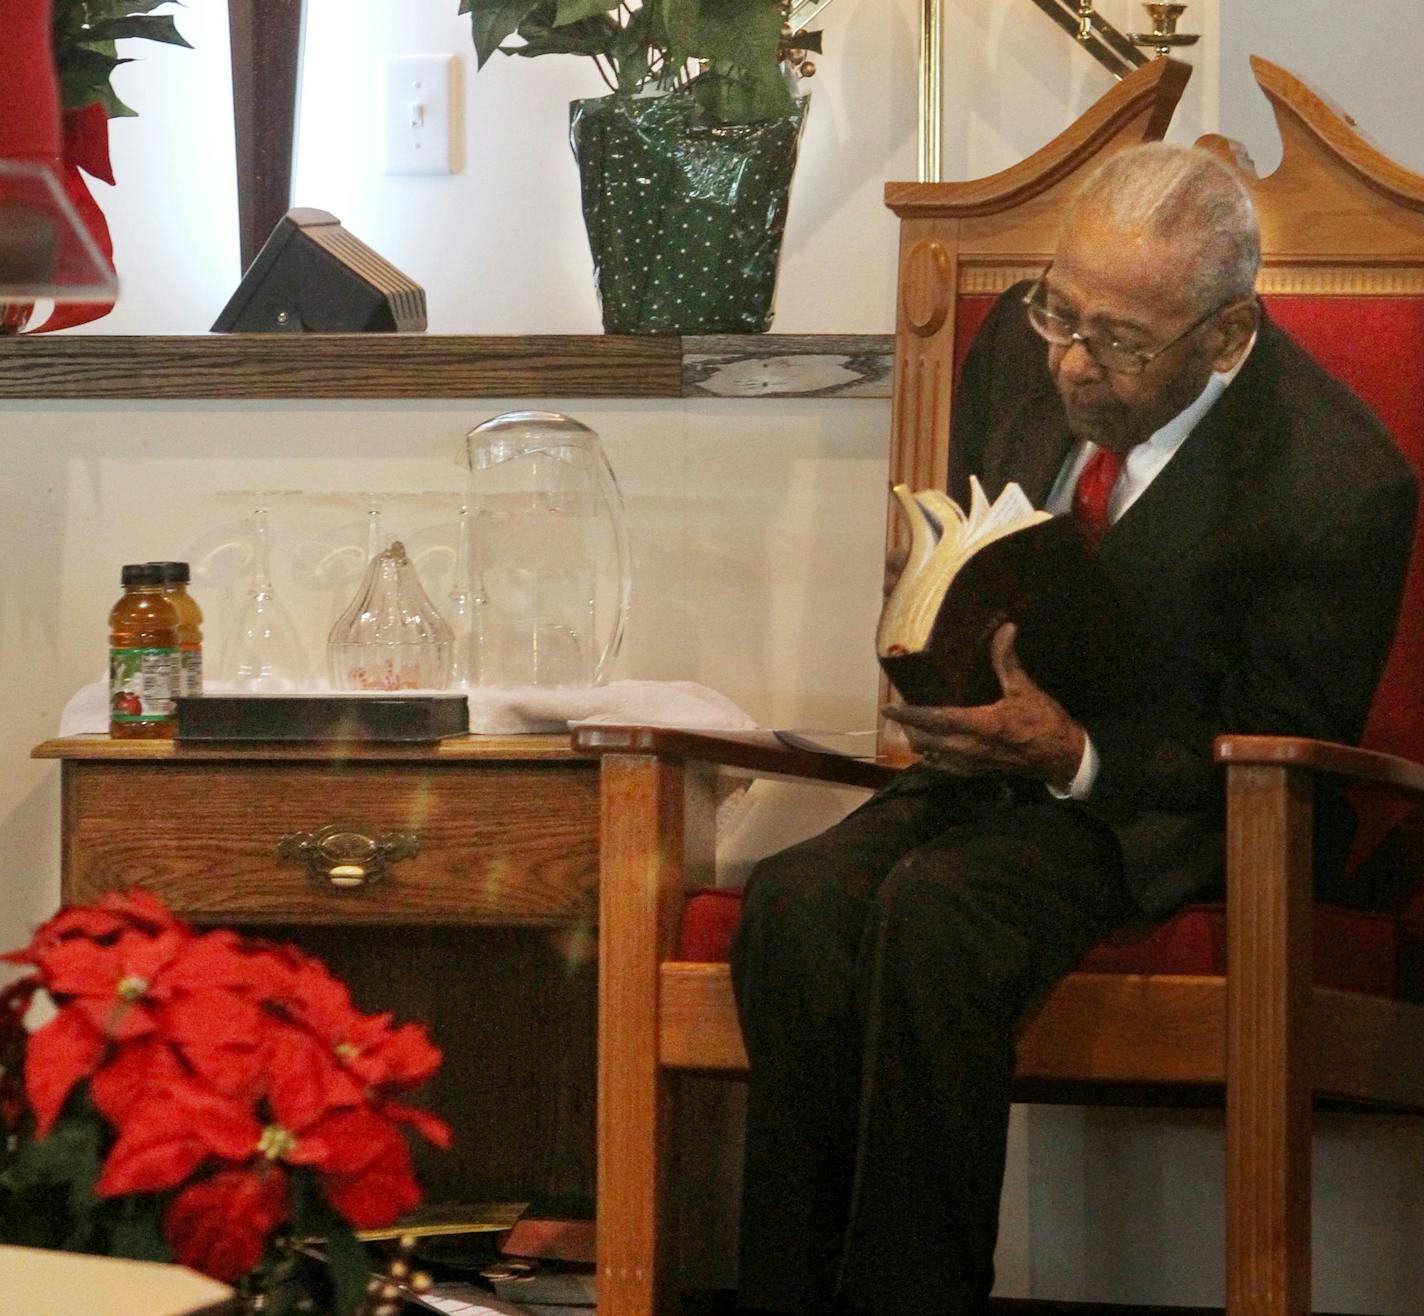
1363, 765
754, 754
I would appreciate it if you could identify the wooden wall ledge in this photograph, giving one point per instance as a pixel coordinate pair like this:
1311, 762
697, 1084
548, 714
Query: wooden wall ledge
292, 366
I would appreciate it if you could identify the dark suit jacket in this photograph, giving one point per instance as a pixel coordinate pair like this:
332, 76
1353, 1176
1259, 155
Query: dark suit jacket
1261, 575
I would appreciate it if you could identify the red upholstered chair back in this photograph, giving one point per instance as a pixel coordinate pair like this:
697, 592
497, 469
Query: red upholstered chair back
1342, 231
1375, 344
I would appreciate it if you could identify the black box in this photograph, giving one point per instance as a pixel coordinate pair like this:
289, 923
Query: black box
414, 718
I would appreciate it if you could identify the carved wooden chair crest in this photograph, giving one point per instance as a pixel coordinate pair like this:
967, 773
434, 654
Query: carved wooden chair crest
1272, 1000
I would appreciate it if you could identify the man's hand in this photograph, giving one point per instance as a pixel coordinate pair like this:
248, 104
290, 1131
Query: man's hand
1026, 731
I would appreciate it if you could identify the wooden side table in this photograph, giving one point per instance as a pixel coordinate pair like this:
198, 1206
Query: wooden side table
456, 883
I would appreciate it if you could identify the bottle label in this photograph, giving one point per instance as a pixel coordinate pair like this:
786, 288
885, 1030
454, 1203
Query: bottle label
192, 678
142, 684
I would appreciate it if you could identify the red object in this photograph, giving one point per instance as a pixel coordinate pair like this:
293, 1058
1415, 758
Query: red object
86, 147
1377, 954
220, 1225
222, 1066
86, 141
1094, 489
29, 126
542, 1238
1357, 339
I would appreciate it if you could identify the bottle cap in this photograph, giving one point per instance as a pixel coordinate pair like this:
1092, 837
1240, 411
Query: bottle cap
143, 573
174, 573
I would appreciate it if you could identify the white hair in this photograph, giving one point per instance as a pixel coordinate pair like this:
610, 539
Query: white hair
1182, 194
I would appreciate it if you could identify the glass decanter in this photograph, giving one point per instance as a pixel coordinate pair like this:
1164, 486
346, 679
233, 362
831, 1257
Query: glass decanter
391, 637
546, 512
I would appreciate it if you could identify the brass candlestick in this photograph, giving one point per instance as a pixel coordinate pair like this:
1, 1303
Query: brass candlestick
1164, 35
1085, 20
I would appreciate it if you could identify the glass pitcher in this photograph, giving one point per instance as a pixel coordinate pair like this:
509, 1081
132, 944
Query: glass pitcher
547, 543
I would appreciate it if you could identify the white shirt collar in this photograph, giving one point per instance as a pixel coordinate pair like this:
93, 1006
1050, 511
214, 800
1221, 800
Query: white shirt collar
1145, 461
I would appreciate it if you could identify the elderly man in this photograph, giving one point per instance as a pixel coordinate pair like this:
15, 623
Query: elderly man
1256, 520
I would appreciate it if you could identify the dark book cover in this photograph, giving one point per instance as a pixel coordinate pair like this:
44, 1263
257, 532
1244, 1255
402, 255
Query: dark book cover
1049, 581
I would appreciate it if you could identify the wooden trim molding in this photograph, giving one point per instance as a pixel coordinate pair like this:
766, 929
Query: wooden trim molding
292, 366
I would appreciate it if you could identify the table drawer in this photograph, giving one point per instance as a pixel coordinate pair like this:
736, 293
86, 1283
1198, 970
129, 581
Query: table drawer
500, 842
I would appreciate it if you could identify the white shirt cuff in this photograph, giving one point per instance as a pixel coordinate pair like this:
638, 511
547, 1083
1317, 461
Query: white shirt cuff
1082, 784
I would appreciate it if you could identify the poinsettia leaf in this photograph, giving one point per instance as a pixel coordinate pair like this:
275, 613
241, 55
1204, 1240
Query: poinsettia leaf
113, 106
134, 1229
63, 1167
571, 11
222, 1225
149, 27
95, 11
346, 1261
82, 72
349, 1267
61, 1053
35, 1216
494, 21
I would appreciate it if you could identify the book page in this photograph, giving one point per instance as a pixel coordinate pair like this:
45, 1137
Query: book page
942, 538
1011, 510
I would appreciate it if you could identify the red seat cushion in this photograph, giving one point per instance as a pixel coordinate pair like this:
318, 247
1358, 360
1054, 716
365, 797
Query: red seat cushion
1376, 954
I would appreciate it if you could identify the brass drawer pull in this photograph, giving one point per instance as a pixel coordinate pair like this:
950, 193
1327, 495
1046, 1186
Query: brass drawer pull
340, 857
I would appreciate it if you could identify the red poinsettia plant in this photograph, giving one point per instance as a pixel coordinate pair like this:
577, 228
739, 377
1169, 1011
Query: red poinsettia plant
202, 1097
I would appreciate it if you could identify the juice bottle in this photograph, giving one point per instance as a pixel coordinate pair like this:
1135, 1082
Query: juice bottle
190, 626
144, 657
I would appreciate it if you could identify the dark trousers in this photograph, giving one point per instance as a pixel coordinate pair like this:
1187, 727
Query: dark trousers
881, 971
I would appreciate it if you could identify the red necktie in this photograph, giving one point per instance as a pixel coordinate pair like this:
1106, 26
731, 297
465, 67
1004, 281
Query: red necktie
1094, 488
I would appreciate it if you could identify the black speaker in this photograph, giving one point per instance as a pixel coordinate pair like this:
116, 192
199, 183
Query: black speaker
312, 276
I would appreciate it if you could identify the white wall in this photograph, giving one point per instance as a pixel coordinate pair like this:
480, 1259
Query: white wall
756, 526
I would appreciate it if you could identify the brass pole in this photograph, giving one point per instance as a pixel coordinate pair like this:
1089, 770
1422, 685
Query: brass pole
931, 92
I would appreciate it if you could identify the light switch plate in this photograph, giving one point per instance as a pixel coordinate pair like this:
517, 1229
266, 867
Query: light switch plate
415, 114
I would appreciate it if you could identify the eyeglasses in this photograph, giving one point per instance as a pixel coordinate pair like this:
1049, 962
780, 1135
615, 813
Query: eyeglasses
1119, 358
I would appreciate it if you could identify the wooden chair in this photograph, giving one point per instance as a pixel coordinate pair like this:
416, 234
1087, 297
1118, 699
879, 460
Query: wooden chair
1211, 1001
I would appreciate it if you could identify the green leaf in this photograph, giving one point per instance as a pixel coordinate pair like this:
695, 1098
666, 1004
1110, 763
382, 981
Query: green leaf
349, 1267
743, 34
748, 99
96, 11
590, 36
135, 1232
153, 27
52, 1180
347, 1264
113, 106
572, 11
493, 21
630, 52
740, 40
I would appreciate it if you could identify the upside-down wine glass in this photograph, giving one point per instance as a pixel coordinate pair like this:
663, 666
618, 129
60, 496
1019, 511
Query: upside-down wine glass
262, 653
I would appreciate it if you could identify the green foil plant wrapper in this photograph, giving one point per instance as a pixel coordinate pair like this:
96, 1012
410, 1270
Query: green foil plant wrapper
684, 216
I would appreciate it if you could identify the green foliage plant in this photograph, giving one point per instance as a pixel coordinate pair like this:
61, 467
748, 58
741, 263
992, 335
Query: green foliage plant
84, 52
726, 53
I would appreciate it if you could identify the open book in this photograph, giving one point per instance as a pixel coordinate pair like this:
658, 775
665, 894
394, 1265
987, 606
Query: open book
969, 572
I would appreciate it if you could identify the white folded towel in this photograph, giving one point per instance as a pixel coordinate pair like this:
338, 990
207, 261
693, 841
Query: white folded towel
520, 710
